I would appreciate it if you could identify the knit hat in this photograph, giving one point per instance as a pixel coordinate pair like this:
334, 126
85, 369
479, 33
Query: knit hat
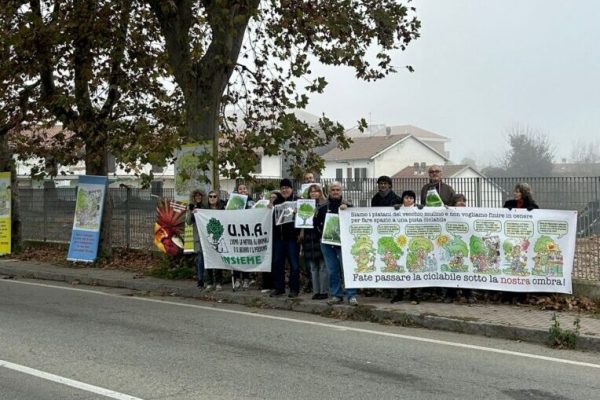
286, 183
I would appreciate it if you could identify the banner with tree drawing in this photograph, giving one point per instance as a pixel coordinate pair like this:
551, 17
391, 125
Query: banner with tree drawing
236, 239
480, 248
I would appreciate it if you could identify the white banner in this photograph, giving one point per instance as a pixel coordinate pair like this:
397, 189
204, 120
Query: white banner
480, 248
236, 239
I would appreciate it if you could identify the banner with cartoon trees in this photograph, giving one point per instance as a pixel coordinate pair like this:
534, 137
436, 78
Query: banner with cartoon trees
481, 248
236, 239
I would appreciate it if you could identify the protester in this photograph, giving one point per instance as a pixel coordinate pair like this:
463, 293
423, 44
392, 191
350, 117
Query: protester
414, 295
333, 254
196, 203
385, 196
459, 200
243, 279
450, 294
214, 277
523, 198
444, 190
311, 249
285, 247
309, 177
267, 284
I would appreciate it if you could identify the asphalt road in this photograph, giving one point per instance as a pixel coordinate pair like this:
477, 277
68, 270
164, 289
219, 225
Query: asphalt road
105, 343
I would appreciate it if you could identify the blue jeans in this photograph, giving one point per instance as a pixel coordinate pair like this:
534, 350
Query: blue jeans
282, 250
333, 261
200, 266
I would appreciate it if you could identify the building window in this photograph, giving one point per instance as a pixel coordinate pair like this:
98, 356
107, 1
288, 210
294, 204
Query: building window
349, 173
339, 173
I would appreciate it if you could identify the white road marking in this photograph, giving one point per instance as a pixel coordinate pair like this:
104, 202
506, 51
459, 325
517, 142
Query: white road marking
66, 381
331, 326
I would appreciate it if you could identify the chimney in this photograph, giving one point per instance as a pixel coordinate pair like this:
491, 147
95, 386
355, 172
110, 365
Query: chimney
564, 160
388, 131
423, 167
416, 167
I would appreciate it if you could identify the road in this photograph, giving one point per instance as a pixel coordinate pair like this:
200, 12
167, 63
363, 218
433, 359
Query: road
63, 342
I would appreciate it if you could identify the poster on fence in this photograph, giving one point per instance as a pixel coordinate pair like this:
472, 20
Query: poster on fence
480, 248
5, 211
236, 239
85, 235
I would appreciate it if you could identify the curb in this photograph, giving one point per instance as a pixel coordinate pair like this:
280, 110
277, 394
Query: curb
360, 313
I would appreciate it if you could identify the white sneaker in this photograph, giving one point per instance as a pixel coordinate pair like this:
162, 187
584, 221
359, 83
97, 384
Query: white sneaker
218, 288
246, 284
208, 288
353, 301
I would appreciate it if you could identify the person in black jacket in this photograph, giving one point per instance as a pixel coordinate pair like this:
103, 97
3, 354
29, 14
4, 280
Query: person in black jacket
285, 246
385, 197
523, 198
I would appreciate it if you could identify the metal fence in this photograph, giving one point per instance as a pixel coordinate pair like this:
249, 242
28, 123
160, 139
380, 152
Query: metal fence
47, 214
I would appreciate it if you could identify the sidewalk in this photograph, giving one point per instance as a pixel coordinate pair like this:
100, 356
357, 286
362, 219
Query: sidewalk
502, 321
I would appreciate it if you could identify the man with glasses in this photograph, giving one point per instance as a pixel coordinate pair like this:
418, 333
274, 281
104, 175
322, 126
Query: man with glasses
435, 182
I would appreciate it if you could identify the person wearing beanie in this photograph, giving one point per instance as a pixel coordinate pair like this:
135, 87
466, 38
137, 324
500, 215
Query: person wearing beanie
385, 196
285, 247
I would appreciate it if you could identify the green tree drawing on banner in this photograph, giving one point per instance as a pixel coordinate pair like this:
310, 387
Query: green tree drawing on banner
215, 229
305, 211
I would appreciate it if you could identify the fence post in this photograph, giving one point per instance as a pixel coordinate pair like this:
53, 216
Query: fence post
128, 218
478, 191
45, 214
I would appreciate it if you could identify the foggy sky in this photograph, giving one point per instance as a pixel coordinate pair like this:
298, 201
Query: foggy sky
481, 68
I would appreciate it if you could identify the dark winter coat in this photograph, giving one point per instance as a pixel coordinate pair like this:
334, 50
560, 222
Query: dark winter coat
528, 204
389, 200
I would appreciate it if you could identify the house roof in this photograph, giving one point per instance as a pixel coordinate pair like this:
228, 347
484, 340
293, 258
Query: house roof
364, 147
449, 171
382, 130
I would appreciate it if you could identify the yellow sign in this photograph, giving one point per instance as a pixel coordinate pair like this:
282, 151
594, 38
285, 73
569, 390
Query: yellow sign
5, 212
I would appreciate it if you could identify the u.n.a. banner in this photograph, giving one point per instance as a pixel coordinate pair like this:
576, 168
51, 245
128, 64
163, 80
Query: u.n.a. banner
236, 239
481, 248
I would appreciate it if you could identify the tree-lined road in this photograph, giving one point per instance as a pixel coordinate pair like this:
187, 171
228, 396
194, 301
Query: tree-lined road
185, 349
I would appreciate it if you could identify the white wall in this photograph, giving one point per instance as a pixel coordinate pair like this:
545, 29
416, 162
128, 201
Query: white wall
405, 154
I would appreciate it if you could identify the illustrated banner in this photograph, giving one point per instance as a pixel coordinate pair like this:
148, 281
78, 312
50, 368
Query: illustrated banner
85, 235
5, 212
480, 248
236, 239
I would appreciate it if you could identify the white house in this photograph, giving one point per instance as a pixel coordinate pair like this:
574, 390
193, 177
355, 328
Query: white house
370, 156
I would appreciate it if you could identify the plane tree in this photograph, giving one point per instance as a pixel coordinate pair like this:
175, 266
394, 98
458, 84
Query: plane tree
243, 66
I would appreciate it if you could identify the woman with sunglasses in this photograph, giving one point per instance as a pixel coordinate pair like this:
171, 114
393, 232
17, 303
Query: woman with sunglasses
214, 277
311, 249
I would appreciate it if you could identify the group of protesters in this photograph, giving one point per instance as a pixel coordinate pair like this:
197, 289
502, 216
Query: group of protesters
323, 261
